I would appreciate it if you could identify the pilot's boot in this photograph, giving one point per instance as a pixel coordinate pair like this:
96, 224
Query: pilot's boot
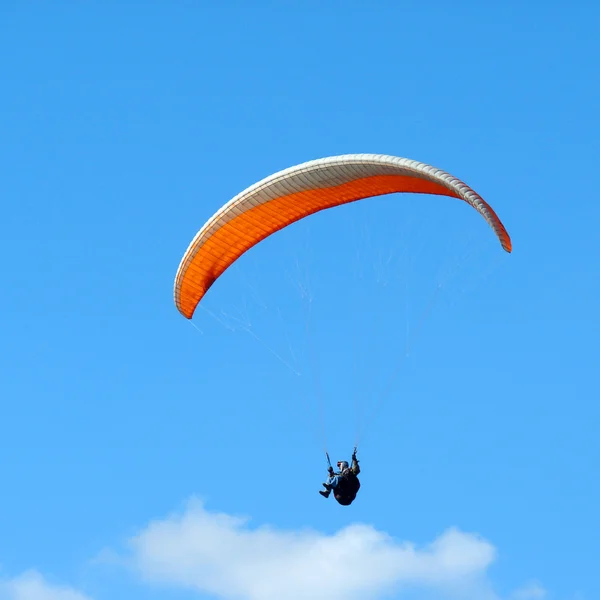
328, 488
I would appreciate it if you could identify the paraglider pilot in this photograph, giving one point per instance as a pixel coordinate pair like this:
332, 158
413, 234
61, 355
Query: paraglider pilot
344, 483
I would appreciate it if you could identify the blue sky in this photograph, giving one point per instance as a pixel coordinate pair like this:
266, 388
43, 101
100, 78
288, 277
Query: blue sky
133, 442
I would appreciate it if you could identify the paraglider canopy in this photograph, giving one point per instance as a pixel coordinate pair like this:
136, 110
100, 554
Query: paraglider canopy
300, 191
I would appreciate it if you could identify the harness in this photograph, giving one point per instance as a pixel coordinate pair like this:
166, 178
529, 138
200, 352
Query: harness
347, 487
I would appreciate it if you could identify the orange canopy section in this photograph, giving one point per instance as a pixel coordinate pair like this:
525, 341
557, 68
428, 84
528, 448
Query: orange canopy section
295, 193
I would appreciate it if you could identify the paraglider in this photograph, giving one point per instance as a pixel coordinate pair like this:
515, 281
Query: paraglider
294, 194
345, 483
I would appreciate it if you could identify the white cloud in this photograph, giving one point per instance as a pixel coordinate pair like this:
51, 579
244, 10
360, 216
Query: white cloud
223, 556
532, 591
32, 586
